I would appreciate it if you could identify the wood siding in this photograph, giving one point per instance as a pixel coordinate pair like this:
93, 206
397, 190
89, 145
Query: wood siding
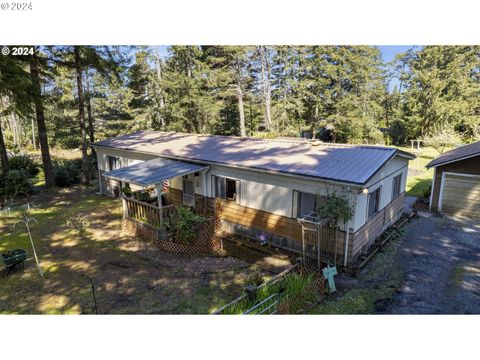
368, 233
467, 166
277, 225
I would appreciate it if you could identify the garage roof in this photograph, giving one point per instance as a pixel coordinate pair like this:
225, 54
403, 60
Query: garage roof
460, 153
354, 164
152, 172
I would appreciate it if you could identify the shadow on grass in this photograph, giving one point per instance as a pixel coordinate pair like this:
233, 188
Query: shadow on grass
421, 188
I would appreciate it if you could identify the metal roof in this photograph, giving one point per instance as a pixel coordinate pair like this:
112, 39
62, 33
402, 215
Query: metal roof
354, 164
154, 171
460, 153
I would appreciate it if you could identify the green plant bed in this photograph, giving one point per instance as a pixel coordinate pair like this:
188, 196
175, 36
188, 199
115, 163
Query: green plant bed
290, 288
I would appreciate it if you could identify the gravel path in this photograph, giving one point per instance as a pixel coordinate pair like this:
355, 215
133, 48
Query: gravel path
440, 260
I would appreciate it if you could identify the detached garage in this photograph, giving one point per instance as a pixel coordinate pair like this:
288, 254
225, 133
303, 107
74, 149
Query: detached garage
456, 182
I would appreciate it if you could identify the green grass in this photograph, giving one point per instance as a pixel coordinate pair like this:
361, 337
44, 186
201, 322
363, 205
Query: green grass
420, 179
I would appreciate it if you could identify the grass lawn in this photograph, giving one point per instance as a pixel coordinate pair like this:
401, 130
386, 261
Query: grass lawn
130, 276
419, 178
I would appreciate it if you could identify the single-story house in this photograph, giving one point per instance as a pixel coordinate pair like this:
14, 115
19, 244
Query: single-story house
264, 185
456, 182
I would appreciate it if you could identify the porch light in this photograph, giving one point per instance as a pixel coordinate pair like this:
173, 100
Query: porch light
365, 191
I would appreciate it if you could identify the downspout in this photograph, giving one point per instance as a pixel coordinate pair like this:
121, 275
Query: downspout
347, 236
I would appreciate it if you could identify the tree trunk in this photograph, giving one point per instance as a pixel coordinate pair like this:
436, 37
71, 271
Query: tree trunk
3, 152
81, 115
34, 143
161, 101
42, 130
266, 87
91, 128
241, 111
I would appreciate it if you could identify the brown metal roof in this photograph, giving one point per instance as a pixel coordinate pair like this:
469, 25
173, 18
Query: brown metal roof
354, 164
460, 153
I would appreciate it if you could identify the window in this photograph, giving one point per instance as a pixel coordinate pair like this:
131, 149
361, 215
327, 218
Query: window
113, 163
306, 203
227, 188
396, 183
373, 202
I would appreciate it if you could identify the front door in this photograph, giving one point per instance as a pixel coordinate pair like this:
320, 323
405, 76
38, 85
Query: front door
188, 192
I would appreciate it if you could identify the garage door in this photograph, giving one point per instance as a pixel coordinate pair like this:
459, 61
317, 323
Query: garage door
461, 196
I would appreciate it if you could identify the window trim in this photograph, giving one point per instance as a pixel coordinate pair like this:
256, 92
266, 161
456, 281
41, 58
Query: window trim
109, 163
224, 179
399, 177
369, 196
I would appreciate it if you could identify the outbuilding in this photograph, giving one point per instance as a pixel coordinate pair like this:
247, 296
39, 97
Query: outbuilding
456, 183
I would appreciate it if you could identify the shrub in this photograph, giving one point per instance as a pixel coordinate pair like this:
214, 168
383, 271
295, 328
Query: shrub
68, 172
62, 177
142, 196
16, 182
23, 162
187, 225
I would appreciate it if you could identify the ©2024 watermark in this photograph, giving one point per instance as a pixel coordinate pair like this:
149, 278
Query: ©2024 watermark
16, 6
17, 50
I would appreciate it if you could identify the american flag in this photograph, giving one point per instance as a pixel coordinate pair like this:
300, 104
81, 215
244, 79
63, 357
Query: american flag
165, 186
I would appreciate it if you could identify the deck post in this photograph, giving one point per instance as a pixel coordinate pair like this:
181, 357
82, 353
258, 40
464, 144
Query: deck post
124, 203
159, 198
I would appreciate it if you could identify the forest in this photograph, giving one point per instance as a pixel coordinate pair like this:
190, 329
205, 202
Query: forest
71, 96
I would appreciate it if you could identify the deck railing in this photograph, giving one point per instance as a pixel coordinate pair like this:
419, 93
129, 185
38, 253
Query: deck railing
145, 213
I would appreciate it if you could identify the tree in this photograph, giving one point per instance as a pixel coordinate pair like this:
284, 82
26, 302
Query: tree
81, 114
40, 116
15, 96
442, 88
442, 139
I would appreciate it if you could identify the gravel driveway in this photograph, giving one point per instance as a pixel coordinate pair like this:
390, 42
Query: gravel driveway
440, 260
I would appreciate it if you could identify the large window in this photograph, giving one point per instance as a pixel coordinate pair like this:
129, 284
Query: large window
306, 203
373, 202
396, 184
227, 188
113, 163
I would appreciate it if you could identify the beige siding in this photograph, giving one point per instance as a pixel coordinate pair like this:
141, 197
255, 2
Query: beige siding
383, 179
461, 196
467, 166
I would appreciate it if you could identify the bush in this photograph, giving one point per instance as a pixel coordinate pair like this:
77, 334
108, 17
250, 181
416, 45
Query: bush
187, 226
62, 177
16, 182
23, 162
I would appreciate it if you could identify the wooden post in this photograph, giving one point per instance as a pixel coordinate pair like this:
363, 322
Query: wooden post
205, 195
124, 203
303, 245
160, 208
319, 262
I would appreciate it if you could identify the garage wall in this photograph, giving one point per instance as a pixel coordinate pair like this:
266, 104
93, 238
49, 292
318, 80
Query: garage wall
467, 166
